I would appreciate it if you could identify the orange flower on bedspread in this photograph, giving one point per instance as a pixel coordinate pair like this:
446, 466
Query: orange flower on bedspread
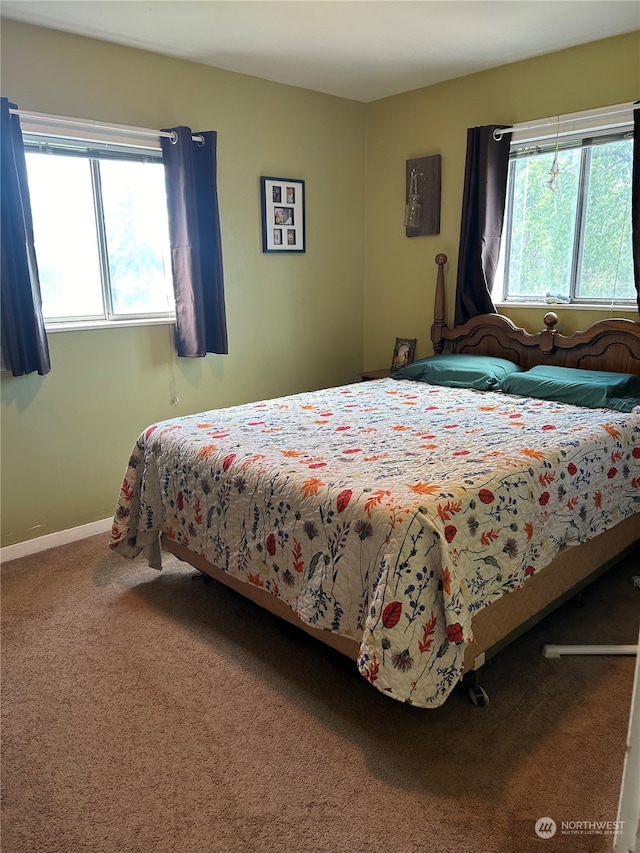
424, 489
296, 553
371, 669
533, 454
375, 499
427, 630
489, 536
126, 491
252, 460
446, 582
450, 508
310, 487
207, 450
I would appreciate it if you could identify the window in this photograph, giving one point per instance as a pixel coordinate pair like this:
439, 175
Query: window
100, 229
568, 239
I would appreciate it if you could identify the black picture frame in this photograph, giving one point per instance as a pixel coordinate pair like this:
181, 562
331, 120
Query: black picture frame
282, 203
403, 352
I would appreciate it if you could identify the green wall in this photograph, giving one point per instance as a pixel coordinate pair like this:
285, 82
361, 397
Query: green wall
295, 322
400, 271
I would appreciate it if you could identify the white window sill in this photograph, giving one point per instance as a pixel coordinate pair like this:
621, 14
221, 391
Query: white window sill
85, 325
575, 306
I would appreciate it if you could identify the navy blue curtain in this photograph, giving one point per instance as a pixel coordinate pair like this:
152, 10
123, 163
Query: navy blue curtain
485, 190
24, 340
635, 199
196, 245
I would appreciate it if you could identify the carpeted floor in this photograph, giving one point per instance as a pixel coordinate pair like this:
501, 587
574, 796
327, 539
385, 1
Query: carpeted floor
146, 711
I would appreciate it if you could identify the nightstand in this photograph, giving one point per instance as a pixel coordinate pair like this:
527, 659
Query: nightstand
366, 375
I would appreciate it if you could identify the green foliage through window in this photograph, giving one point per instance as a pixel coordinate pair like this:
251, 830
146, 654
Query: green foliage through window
572, 242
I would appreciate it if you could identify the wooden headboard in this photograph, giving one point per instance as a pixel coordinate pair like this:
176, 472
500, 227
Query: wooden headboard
606, 345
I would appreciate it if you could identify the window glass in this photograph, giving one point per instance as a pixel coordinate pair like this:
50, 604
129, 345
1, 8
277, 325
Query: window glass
101, 232
135, 216
567, 238
606, 261
542, 225
64, 226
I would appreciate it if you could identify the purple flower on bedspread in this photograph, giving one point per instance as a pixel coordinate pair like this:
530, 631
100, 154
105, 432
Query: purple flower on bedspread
511, 548
364, 529
310, 529
402, 660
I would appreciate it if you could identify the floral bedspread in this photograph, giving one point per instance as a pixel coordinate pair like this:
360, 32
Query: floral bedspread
387, 511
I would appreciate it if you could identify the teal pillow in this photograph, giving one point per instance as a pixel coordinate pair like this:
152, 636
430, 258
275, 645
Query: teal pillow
624, 404
459, 370
594, 389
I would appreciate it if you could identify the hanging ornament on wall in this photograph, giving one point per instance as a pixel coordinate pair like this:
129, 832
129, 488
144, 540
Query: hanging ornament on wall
413, 209
554, 171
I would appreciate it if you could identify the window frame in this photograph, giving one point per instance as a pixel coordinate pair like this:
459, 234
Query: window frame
584, 139
93, 151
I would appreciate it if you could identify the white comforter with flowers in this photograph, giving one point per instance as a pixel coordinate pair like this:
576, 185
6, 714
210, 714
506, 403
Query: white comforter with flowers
387, 511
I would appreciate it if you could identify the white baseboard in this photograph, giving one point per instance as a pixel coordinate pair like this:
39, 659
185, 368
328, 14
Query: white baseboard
52, 540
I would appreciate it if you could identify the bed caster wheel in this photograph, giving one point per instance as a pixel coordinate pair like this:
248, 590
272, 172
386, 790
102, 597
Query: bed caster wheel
478, 696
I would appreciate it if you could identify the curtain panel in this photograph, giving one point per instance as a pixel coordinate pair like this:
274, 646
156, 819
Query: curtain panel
635, 200
485, 190
196, 244
24, 340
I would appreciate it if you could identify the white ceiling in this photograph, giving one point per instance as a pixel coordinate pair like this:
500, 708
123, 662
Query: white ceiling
358, 49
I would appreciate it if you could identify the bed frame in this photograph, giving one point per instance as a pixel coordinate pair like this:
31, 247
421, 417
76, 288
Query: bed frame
612, 344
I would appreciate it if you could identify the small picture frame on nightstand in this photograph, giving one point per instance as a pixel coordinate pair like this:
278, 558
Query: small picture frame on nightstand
403, 352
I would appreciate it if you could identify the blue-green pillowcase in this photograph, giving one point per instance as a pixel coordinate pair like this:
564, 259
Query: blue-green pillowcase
594, 389
459, 370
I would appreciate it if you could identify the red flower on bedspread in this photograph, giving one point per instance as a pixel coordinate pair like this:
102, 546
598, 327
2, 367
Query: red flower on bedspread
391, 614
342, 501
454, 633
450, 532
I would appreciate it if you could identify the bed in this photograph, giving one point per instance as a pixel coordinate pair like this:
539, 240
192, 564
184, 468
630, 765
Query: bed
417, 525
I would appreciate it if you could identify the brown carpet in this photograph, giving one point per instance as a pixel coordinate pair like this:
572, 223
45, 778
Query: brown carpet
143, 711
